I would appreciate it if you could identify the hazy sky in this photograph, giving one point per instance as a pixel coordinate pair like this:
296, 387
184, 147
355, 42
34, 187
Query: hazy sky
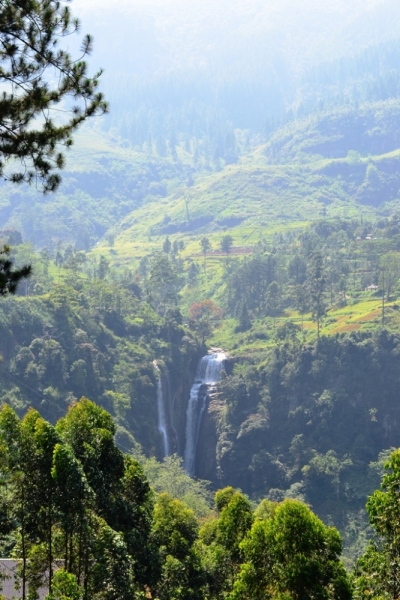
150, 36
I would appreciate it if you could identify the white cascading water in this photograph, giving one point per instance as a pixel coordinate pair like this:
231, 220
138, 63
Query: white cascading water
162, 417
208, 374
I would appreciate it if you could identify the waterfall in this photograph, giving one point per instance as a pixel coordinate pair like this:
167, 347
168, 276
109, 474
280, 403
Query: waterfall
208, 374
162, 416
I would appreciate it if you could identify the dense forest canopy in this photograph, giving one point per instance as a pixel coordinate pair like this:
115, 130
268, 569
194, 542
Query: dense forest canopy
220, 264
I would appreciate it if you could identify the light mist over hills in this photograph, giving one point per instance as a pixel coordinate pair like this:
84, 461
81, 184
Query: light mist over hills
242, 61
242, 37
195, 86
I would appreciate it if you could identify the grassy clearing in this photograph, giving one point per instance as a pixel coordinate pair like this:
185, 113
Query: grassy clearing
254, 201
251, 200
365, 315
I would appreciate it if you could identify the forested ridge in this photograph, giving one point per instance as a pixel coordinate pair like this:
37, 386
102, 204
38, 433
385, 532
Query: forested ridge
83, 522
222, 257
295, 415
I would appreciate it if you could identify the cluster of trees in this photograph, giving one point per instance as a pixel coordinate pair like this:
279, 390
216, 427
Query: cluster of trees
331, 263
95, 339
177, 116
370, 75
70, 499
377, 571
311, 422
83, 522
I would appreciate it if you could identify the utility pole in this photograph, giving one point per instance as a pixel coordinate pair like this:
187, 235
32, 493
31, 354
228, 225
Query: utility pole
383, 298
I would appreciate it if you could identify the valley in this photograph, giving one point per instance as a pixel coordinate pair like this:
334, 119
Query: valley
219, 273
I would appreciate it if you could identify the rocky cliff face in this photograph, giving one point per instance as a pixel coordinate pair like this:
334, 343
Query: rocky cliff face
178, 390
206, 463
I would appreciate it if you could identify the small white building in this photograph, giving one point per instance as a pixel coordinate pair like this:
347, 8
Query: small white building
10, 587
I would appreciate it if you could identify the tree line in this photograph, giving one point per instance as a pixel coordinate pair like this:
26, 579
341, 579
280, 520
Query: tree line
83, 522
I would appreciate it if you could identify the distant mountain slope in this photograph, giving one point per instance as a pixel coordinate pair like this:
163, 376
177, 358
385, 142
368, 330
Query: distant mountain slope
178, 66
370, 129
324, 165
103, 181
334, 164
158, 36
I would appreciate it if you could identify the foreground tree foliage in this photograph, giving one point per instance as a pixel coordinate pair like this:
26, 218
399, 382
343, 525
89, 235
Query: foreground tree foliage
291, 554
82, 519
39, 76
46, 95
9, 276
378, 570
68, 493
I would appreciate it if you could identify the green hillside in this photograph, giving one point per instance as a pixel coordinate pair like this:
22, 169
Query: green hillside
304, 299
105, 179
300, 174
257, 201
208, 306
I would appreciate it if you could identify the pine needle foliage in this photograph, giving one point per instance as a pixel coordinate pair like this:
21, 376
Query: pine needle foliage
46, 93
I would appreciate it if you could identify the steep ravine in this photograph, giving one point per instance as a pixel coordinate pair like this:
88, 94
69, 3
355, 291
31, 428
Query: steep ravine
189, 410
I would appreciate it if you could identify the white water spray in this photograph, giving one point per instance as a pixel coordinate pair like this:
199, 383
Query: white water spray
208, 374
161, 413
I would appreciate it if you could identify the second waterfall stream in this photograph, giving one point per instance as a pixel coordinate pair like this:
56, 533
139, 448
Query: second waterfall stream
208, 374
162, 414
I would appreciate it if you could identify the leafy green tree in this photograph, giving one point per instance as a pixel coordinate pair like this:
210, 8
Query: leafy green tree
65, 587
30, 34
12, 496
175, 531
193, 272
273, 296
111, 575
378, 570
235, 520
390, 272
104, 267
167, 245
133, 517
316, 284
163, 283
244, 318
301, 299
297, 269
220, 540
291, 554
174, 526
38, 441
73, 498
226, 244
205, 245
89, 430
175, 248
10, 277
27, 452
